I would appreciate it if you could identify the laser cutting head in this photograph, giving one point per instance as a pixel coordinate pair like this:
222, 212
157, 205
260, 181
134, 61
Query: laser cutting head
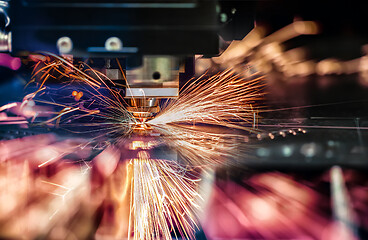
155, 79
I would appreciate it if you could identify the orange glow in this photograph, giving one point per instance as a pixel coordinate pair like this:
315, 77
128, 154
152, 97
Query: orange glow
79, 96
111, 108
261, 209
141, 145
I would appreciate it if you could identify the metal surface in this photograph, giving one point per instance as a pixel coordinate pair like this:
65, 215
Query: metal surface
160, 71
157, 78
152, 92
306, 144
143, 108
5, 42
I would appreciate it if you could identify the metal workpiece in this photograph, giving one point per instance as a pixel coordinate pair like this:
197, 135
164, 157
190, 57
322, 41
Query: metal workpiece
305, 144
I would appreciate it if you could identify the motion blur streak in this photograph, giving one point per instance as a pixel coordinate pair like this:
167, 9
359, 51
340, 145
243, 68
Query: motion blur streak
266, 206
41, 202
164, 197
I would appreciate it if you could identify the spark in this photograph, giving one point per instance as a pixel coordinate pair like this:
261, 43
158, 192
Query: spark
164, 200
225, 100
7, 106
108, 111
57, 185
161, 195
200, 147
164, 197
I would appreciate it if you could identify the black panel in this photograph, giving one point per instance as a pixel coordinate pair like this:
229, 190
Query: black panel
164, 27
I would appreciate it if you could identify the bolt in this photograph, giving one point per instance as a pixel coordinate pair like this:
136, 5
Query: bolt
113, 44
64, 45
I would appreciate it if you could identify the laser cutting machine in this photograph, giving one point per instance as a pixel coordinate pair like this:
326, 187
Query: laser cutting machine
314, 121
